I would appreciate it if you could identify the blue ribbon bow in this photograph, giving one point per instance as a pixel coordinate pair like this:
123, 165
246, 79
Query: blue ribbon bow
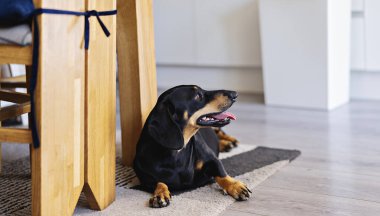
36, 45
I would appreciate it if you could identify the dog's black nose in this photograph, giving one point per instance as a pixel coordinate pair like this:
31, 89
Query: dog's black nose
232, 95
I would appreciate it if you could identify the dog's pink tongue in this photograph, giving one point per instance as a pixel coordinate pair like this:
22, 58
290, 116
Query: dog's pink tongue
224, 115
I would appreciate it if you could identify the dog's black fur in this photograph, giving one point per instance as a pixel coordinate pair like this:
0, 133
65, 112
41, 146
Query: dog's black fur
162, 154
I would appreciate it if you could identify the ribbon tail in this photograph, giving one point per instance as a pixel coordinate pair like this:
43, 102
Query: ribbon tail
105, 30
86, 32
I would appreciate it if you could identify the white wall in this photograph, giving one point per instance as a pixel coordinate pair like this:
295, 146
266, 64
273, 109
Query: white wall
213, 43
216, 44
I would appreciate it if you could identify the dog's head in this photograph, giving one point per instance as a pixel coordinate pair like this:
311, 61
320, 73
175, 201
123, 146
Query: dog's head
182, 110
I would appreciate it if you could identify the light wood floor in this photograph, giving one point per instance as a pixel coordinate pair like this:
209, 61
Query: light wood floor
338, 172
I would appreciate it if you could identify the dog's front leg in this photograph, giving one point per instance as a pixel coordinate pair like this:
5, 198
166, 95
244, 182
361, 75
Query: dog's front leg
161, 196
233, 187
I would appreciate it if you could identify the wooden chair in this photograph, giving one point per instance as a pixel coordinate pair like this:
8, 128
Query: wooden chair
74, 153
77, 146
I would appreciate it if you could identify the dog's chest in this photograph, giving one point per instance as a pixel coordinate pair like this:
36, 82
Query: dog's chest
185, 163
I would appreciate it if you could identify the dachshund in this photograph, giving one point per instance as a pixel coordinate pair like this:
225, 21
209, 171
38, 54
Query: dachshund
178, 147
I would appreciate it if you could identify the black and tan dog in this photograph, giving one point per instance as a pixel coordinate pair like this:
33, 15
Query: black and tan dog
178, 149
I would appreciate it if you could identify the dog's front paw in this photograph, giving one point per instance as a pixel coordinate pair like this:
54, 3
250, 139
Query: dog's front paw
234, 188
161, 197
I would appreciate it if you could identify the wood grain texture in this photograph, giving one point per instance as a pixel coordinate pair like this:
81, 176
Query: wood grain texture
10, 54
55, 190
13, 82
137, 70
13, 96
100, 109
15, 135
14, 110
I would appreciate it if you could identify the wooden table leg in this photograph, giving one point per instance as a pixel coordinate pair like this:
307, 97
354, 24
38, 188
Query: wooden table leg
100, 153
58, 164
137, 70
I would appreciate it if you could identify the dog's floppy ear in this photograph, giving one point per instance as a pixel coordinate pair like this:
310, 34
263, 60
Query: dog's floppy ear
163, 128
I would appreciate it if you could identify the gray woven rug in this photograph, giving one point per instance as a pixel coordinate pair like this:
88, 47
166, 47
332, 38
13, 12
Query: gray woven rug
248, 163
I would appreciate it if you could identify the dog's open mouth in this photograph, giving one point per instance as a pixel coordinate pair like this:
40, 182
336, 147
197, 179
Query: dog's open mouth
216, 119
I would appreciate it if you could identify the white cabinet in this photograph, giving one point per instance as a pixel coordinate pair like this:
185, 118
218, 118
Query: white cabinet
358, 61
305, 48
372, 34
207, 33
365, 36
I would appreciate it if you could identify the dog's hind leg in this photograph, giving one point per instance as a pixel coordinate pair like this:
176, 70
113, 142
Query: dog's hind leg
225, 146
161, 196
226, 142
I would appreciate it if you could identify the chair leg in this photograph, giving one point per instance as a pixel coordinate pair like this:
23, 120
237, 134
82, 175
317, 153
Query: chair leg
58, 163
100, 112
137, 70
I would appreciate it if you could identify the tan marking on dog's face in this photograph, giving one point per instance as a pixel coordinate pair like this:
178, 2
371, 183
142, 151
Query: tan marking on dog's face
220, 101
199, 165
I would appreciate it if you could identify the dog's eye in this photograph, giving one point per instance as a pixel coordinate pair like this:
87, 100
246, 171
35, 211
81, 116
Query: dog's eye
198, 97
